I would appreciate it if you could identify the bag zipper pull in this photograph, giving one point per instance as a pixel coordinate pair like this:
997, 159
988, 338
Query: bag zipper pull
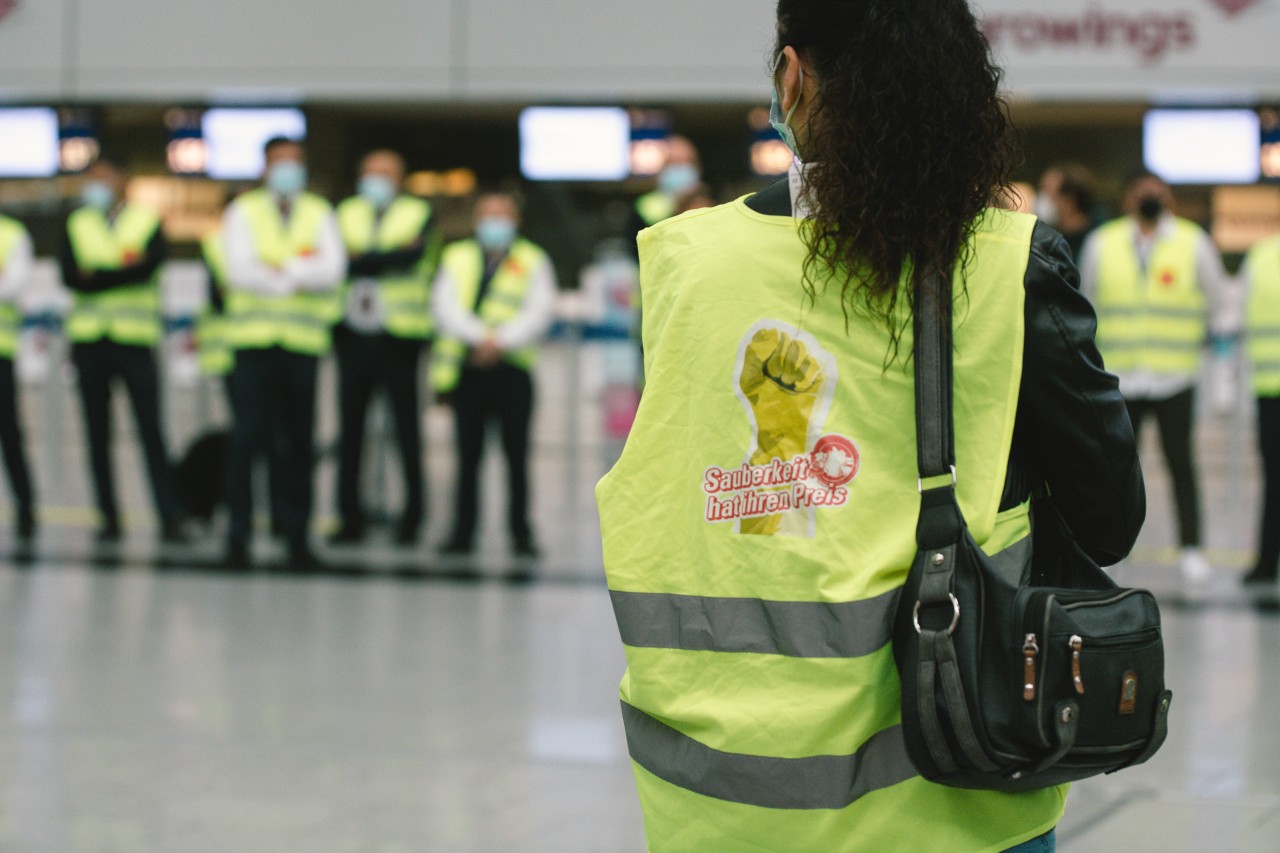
1029, 650
1077, 645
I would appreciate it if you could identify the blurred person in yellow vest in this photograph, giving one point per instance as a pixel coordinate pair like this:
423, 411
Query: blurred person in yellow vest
1159, 286
16, 259
1261, 272
285, 264
393, 249
494, 301
216, 356
761, 522
681, 173
111, 258
1066, 200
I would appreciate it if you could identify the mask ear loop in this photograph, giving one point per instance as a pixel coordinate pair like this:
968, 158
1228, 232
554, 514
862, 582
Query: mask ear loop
791, 112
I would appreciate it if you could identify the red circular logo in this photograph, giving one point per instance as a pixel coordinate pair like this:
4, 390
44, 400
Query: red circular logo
836, 461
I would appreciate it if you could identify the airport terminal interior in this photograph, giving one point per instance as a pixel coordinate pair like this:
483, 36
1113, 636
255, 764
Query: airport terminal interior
399, 694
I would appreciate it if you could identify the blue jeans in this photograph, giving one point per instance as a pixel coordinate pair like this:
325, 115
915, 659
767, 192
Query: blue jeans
1047, 843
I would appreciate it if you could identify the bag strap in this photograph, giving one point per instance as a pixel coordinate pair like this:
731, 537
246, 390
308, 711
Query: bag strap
939, 532
940, 523
935, 433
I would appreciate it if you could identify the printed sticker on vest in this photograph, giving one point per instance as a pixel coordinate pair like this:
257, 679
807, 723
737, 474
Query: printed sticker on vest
785, 382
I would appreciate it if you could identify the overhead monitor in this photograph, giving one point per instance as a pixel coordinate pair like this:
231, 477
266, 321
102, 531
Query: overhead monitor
575, 144
1204, 146
234, 138
29, 142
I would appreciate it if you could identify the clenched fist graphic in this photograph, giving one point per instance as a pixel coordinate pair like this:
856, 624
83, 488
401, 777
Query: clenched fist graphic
782, 383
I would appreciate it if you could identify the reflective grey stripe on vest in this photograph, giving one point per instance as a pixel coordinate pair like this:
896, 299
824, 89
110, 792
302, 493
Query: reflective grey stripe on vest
107, 312
1120, 345
752, 626
280, 317
820, 782
1264, 332
1165, 312
789, 628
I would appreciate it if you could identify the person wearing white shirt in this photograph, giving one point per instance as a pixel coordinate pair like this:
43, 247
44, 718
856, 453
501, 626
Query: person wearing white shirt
285, 262
494, 300
1160, 289
16, 260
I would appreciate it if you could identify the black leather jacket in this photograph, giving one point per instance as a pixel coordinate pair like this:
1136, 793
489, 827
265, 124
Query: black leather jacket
1072, 433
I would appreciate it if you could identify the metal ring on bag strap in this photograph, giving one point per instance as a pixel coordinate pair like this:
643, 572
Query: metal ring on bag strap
955, 622
954, 480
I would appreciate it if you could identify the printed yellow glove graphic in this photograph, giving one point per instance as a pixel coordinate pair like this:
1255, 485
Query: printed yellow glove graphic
782, 383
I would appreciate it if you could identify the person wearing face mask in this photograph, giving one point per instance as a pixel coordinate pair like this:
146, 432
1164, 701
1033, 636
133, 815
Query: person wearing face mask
16, 259
681, 173
1066, 201
494, 300
1158, 283
759, 526
110, 260
285, 263
393, 250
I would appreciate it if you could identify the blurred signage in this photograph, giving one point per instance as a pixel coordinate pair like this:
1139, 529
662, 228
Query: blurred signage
575, 143
1077, 45
1244, 215
1270, 119
1204, 146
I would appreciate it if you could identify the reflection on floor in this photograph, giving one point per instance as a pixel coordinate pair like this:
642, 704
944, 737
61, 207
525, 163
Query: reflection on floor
401, 702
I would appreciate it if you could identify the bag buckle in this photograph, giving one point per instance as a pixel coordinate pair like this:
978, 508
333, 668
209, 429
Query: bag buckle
955, 621
920, 481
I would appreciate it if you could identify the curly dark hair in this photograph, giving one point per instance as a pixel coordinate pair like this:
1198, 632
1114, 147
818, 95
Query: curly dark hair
908, 142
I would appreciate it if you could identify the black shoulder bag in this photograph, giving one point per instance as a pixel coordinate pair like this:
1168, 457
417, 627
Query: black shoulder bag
1008, 683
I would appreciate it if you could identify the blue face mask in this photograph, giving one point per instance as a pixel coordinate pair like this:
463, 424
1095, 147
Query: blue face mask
781, 123
677, 178
98, 195
377, 190
495, 233
287, 178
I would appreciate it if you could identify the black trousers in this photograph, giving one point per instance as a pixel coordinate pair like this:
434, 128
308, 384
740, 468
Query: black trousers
1176, 419
274, 394
367, 363
1269, 528
98, 364
15, 456
501, 395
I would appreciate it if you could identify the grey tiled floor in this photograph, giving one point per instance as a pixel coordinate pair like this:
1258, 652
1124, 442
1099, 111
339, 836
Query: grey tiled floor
410, 704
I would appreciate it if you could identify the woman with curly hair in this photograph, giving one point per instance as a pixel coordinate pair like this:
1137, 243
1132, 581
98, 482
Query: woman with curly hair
761, 522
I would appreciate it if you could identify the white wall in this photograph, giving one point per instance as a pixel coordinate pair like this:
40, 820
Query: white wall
602, 50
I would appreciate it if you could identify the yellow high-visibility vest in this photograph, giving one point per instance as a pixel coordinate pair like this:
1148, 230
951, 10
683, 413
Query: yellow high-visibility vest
758, 529
406, 297
216, 356
464, 261
1153, 320
127, 315
11, 231
299, 323
1264, 316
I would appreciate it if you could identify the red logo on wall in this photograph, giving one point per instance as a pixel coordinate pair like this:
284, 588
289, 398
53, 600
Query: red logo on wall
7, 7
1233, 7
